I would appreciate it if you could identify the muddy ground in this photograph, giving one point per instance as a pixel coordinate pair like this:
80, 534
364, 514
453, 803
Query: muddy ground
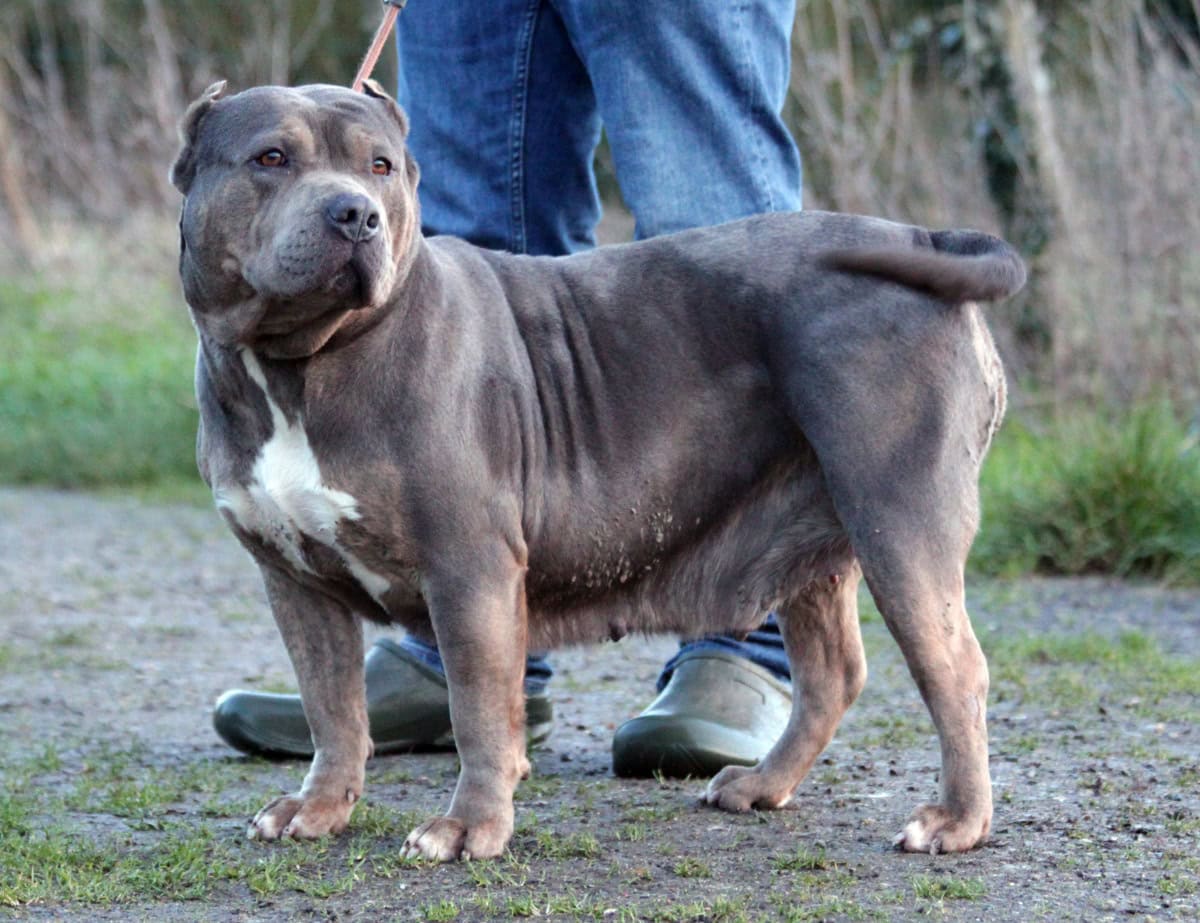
122, 619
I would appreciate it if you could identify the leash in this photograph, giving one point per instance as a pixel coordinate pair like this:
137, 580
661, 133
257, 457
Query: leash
392, 9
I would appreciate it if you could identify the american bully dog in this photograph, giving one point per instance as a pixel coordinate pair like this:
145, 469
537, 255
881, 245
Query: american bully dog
499, 451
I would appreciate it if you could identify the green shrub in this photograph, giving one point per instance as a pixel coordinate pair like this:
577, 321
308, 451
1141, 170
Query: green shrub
1094, 493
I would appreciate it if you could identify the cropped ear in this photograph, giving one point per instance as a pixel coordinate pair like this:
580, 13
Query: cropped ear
375, 90
184, 169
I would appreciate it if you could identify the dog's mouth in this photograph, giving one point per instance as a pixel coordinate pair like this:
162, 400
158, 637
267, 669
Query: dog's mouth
345, 277
296, 324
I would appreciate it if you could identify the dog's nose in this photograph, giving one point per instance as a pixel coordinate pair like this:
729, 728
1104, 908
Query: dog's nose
354, 216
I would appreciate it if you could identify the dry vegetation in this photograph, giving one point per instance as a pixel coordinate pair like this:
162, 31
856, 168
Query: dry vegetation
900, 112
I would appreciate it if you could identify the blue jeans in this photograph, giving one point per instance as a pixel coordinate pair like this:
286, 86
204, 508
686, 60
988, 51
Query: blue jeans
507, 100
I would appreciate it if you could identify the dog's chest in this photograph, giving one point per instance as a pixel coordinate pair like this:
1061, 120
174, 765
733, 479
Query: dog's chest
286, 502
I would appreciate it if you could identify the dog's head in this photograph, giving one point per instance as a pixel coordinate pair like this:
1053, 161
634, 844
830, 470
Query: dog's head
300, 211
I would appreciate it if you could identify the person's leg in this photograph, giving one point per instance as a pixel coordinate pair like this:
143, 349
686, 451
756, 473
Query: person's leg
763, 646
538, 671
504, 125
691, 96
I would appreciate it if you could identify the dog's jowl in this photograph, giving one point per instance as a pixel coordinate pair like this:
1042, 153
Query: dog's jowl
504, 451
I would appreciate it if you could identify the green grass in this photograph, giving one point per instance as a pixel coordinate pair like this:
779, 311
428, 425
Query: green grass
96, 384
552, 845
439, 912
805, 860
928, 887
1085, 670
1100, 493
103, 830
689, 867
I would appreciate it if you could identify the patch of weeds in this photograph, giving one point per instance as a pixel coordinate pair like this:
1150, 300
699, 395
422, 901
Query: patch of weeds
1183, 825
524, 905
830, 778
538, 788
298, 866
653, 814
575, 846
1188, 778
692, 868
222, 806
391, 775
717, 910
273, 873
1133, 661
125, 783
632, 833
43, 864
792, 910
1099, 493
70, 637
552, 905
439, 912
527, 825
49, 760
377, 821
1176, 886
928, 887
506, 873
319, 886
391, 864
899, 732
1022, 744
805, 860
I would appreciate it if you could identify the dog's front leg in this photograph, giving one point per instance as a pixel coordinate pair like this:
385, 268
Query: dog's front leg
324, 641
481, 633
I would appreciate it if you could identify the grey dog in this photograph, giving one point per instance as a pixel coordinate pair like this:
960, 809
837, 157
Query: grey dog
501, 451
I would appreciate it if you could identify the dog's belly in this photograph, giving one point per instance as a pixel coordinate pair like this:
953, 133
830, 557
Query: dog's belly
724, 573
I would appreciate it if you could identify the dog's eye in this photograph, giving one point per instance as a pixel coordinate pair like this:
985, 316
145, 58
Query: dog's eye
381, 166
272, 158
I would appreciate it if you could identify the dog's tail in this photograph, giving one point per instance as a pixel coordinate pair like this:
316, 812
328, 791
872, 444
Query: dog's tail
962, 266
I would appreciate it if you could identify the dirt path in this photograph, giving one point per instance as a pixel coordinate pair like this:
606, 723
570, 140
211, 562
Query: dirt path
121, 621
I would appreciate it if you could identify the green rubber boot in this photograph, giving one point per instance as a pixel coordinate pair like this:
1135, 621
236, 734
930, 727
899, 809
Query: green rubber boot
716, 710
408, 708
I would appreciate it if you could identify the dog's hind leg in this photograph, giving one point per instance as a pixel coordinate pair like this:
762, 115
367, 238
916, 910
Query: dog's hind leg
324, 641
910, 525
918, 586
824, 647
899, 400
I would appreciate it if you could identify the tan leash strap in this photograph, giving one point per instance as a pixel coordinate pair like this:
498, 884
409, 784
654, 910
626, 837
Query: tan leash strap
393, 8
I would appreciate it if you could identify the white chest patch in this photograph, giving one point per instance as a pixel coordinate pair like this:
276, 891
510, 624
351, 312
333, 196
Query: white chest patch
286, 499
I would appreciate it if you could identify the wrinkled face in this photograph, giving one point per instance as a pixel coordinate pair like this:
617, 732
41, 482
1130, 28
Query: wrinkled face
300, 210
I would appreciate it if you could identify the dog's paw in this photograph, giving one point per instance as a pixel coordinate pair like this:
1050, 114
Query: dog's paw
743, 788
302, 817
445, 839
933, 829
